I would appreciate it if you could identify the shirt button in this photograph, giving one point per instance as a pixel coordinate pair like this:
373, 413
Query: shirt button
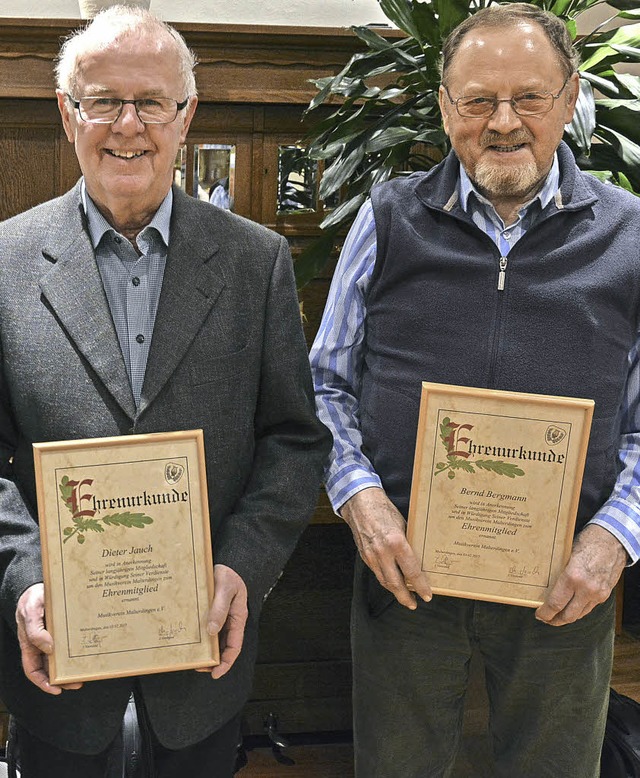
506, 235
140, 338
135, 281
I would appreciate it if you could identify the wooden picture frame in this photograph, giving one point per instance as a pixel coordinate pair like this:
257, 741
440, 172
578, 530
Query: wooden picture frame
126, 553
495, 490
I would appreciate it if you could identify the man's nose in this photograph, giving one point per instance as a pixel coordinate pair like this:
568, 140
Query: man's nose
128, 121
504, 119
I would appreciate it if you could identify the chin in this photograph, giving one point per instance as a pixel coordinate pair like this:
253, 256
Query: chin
128, 188
506, 180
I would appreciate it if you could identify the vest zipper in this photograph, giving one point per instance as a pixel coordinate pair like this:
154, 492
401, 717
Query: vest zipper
500, 303
502, 274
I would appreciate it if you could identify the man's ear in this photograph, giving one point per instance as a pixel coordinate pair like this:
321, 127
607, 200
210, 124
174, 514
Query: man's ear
66, 112
572, 91
188, 116
444, 103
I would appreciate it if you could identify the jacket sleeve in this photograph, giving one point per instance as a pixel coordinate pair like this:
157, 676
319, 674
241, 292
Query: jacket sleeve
291, 446
20, 558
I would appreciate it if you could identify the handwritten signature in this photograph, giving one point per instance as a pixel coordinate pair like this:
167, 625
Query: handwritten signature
523, 571
171, 631
442, 560
92, 641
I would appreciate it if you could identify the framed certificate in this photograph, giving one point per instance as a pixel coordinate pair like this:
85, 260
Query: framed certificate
495, 490
126, 552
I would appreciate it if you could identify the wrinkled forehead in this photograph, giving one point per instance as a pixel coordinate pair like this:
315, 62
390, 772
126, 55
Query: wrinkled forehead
120, 45
521, 52
133, 66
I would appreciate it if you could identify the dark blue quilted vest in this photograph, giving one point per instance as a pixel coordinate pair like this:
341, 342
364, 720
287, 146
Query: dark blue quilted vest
563, 325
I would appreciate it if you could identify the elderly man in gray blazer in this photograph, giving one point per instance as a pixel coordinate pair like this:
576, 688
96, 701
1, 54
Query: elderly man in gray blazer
128, 307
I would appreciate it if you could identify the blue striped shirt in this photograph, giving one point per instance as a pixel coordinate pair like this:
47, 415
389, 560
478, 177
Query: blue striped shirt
132, 282
337, 353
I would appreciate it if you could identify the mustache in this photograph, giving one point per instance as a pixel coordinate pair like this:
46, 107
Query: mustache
491, 138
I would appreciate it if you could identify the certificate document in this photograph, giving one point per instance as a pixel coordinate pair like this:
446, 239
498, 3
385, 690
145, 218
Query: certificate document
495, 490
126, 552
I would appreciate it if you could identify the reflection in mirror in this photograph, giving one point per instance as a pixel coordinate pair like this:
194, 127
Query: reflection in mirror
297, 180
180, 168
214, 168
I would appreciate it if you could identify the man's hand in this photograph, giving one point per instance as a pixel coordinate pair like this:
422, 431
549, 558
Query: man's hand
596, 563
35, 642
380, 535
227, 617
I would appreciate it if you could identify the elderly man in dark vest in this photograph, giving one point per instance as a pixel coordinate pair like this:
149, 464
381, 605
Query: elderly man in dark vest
507, 268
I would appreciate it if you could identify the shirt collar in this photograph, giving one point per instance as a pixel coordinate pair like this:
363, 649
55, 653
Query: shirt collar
545, 194
98, 225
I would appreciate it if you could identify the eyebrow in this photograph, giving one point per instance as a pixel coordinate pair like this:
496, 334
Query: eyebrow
99, 91
529, 87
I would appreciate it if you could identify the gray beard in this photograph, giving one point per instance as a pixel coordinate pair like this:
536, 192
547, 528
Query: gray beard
507, 181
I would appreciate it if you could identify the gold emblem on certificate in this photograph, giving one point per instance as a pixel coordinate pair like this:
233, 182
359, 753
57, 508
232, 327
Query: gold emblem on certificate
126, 548
495, 491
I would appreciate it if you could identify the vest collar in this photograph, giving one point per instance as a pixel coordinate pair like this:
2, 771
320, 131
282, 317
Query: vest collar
438, 188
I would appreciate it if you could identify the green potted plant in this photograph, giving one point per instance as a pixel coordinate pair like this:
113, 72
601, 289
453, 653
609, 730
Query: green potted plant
387, 120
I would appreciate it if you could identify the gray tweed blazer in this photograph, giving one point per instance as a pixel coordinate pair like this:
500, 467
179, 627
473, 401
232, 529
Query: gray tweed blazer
227, 356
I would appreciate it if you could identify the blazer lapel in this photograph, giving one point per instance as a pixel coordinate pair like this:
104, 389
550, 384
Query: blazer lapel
190, 288
74, 290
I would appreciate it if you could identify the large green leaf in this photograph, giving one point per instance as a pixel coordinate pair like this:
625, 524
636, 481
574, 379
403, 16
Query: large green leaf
624, 182
426, 20
399, 12
627, 150
620, 115
561, 7
567, 9
630, 82
389, 137
398, 51
607, 46
434, 137
341, 170
607, 85
584, 118
343, 211
631, 53
618, 179
450, 14
371, 38
623, 5
606, 176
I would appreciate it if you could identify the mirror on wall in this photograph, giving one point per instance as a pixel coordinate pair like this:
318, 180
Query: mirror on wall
297, 181
213, 174
180, 168
214, 168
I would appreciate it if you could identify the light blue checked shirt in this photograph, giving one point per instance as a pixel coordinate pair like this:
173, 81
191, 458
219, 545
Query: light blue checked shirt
131, 282
336, 361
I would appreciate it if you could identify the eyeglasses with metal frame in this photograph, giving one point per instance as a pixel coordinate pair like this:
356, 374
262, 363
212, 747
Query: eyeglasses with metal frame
107, 110
526, 104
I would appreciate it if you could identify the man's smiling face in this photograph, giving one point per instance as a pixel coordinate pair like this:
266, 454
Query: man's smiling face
128, 163
507, 155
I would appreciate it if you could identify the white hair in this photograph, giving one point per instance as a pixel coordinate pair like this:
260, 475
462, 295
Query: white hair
112, 25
